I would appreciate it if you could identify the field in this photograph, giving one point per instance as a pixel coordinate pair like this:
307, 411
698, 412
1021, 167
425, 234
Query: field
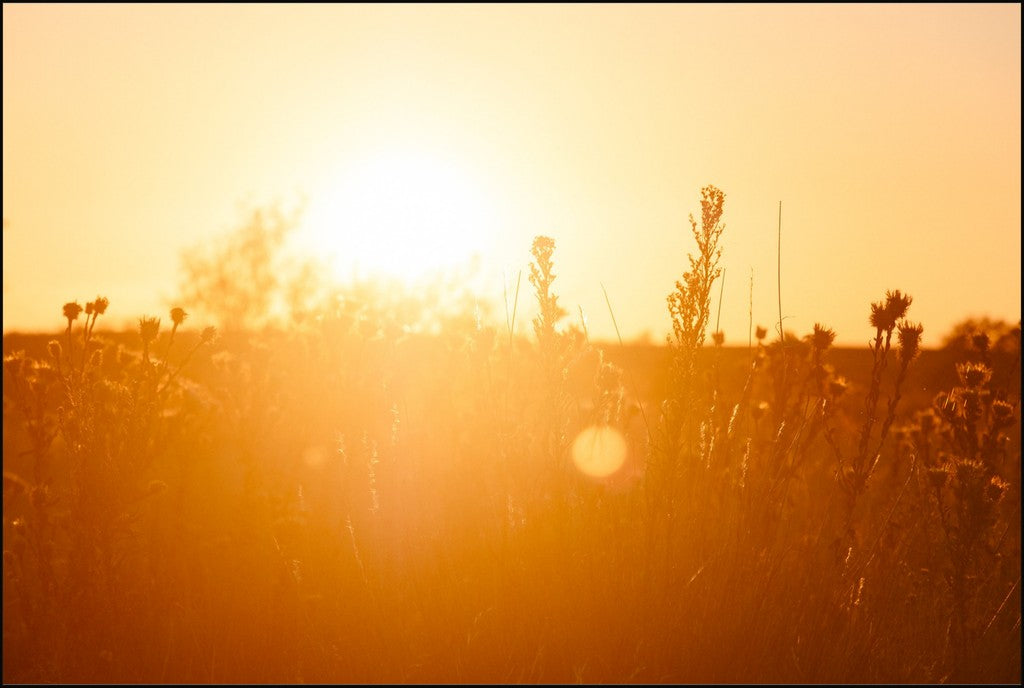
347, 498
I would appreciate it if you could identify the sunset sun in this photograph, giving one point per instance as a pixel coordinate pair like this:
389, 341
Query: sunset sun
399, 214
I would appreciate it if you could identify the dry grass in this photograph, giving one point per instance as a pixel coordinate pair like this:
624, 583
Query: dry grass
352, 498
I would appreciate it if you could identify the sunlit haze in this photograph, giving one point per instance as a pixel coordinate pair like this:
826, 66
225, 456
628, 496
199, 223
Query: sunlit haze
475, 344
421, 136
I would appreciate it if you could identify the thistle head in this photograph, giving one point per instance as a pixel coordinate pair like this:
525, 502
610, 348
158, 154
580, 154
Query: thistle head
897, 303
148, 329
178, 316
822, 337
996, 488
885, 315
973, 375
72, 311
910, 340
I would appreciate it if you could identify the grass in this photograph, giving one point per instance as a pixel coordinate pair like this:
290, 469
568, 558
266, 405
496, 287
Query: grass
352, 498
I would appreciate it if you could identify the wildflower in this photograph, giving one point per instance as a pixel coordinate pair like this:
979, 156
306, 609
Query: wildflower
910, 340
71, 311
973, 375
178, 316
1002, 412
897, 304
885, 315
996, 488
822, 337
148, 329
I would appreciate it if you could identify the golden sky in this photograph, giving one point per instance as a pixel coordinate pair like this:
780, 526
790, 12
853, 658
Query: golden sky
891, 134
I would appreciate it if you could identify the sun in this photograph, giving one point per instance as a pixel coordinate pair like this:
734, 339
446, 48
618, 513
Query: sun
400, 214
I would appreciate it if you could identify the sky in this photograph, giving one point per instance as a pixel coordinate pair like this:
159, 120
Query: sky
889, 133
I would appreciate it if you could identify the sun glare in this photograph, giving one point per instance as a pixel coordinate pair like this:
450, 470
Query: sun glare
399, 214
599, 451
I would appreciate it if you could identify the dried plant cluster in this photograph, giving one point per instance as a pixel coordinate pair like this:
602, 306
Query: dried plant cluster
383, 490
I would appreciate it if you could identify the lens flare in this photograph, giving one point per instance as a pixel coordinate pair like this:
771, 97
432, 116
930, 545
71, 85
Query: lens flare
599, 451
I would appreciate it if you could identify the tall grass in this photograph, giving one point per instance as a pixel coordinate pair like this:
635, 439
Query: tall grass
355, 498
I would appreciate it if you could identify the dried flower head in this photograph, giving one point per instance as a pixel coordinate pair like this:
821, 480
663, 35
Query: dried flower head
897, 304
178, 315
885, 315
996, 488
100, 305
88, 307
148, 329
1002, 412
71, 311
718, 338
910, 340
822, 337
760, 333
973, 375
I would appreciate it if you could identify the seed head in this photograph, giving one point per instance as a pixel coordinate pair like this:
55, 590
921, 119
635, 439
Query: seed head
996, 488
178, 315
885, 315
148, 329
100, 305
760, 333
718, 338
822, 337
71, 311
973, 375
910, 340
897, 304
1002, 412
